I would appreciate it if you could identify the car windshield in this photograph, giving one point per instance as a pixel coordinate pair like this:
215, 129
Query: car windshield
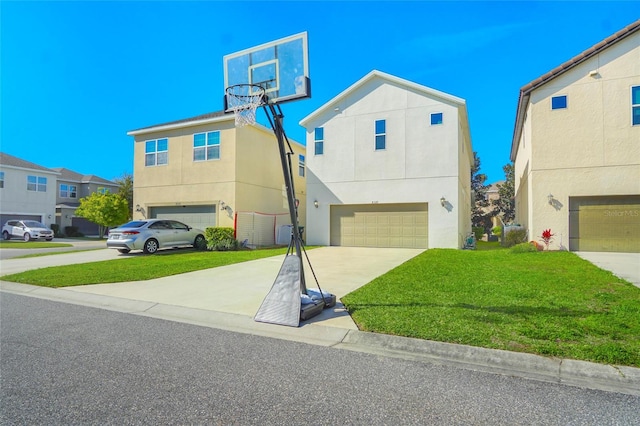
134, 224
33, 224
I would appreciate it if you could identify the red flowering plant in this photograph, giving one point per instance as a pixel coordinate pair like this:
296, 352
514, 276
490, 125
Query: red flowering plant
546, 237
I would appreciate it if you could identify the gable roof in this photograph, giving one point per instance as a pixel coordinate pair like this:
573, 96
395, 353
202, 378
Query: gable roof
11, 161
70, 175
525, 91
375, 74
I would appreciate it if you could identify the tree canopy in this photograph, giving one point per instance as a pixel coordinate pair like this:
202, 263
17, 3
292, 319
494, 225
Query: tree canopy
480, 212
106, 210
506, 205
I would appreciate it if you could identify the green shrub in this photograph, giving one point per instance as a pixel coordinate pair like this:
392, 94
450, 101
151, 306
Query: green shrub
220, 239
479, 231
523, 248
514, 237
496, 230
56, 230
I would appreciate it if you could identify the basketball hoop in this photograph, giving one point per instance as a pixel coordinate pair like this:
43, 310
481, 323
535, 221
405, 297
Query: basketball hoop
243, 100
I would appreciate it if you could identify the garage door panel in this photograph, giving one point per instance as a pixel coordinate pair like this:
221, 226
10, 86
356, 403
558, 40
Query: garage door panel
201, 217
391, 225
604, 224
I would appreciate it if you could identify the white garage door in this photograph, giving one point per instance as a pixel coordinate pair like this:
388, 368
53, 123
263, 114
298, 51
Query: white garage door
200, 217
380, 225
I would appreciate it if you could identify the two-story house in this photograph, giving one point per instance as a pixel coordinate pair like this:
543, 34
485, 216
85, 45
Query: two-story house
389, 165
206, 172
27, 190
576, 149
71, 187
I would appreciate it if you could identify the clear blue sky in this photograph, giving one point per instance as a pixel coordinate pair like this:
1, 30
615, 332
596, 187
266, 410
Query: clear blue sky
77, 76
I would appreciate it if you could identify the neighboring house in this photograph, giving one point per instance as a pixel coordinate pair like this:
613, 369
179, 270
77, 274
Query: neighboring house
205, 172
576, 149
27, 190
389, 165
492, 194
71, 187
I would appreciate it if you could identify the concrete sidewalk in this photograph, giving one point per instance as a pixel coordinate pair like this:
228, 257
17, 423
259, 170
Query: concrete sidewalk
228, 297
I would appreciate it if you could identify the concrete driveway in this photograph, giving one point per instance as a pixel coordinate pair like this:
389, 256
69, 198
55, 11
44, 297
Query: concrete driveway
622, 265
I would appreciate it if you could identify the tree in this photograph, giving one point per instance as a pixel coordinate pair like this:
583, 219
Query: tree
480, 213
506, 204
104, 209
125, 189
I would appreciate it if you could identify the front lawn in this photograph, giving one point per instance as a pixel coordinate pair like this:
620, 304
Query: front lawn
547, 303
138, 268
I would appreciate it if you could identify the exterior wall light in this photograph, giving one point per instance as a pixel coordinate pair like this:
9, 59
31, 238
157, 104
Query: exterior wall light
443, 201
550, 198
138, 208
223, 205
316, 204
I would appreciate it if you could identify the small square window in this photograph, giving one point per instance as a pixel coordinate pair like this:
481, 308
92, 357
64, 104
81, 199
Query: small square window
559, 102
318, 139
436, 118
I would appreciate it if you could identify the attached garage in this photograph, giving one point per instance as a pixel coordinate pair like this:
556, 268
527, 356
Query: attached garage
200, 217
380, 225
608, 224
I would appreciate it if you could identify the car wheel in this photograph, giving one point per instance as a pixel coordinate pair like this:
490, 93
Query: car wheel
150, 246
124, 251
26, 236
200, 243
6, 235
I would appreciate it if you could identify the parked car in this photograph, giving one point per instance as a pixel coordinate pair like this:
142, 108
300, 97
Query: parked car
26, 229
153, 234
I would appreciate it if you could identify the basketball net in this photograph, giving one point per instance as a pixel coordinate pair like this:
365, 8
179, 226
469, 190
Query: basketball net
244, 100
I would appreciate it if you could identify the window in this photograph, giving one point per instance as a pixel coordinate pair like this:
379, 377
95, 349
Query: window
37, 183
1, 179
68, 191
381, 134
206, 146
436, 118
102, 190
559, 102
301, 165
635, 105
319, 140
156, 152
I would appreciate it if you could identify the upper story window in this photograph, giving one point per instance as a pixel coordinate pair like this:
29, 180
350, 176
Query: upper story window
381, 134
301, 165
206, 146
436, 118
1, 179
635, 105
559, 102
68, 191
102, 190
156, 152
318, 139
37, 183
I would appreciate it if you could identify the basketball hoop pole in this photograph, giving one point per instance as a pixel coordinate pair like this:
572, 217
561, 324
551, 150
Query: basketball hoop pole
275, 117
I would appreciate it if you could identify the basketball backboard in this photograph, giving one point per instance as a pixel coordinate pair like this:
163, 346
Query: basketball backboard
280, 67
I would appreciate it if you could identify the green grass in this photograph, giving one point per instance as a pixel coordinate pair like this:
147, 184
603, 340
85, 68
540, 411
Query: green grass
18, 244
547, 303
137, 268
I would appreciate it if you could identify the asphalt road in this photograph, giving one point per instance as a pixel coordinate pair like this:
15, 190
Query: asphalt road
68, 364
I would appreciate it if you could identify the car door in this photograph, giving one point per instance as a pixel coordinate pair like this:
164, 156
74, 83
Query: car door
163, 232
182, 234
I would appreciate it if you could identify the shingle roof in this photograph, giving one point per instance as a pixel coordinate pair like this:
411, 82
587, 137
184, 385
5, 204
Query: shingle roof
70, 175
526, 90
185, 121
10, 160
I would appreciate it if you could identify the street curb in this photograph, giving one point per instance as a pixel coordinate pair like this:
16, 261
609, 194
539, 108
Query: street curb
621, 379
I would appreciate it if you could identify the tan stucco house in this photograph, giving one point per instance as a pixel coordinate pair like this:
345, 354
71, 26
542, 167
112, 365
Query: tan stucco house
389, 164
205, 172
576, 149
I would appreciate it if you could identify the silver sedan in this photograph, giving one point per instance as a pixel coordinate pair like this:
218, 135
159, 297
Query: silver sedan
153, 234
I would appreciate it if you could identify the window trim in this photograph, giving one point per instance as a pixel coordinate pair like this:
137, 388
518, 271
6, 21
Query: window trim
382, 135
71, 191
431, 123
156, 152
635, 106
39, 183
566, 102
301, 165
207, 144
318, 142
